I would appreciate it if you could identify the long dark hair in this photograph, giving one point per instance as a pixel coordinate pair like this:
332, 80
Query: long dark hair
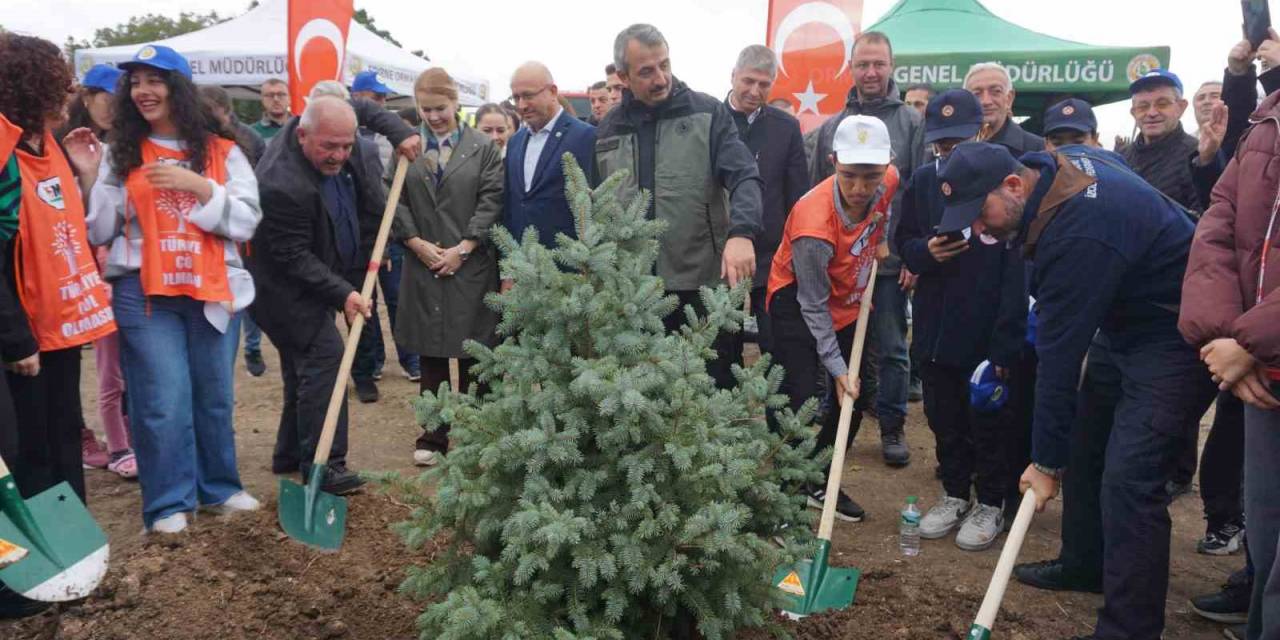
192, 118
78, 114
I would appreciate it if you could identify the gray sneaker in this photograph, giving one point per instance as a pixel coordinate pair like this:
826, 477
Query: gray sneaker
981, 528
943, 517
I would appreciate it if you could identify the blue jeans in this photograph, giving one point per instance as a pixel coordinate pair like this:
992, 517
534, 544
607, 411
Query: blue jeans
178, 369
252, 334
888, 337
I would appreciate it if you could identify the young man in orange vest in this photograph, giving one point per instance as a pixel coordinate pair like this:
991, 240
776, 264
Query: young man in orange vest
820, 271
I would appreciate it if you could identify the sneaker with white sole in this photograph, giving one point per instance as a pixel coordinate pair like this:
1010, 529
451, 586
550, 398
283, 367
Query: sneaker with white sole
1222, 540
846, 509
237, 503
981, 528
172, 523
943, 517
426, 457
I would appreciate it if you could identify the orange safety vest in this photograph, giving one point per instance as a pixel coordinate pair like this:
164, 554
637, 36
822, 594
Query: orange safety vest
815, 216
179, 258
66, 301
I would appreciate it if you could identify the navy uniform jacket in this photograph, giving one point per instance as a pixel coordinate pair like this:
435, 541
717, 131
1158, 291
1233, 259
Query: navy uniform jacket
1112, 259
972, 307
544, 207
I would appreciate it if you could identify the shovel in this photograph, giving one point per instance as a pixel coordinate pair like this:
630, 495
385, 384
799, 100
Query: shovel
308, 514
66, 551
811, 586
981, 629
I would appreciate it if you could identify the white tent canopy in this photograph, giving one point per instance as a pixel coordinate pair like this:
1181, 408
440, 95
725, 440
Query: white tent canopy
250, 48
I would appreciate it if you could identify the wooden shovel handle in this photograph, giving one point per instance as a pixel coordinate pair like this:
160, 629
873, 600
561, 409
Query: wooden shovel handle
353, 333
846, 411
1008, 556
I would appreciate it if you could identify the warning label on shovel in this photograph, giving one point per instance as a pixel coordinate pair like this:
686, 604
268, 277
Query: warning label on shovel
791, 584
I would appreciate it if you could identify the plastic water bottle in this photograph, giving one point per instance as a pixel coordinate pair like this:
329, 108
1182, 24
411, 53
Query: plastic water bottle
909, 529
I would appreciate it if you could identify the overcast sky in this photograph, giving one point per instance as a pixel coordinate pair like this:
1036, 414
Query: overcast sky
489, 38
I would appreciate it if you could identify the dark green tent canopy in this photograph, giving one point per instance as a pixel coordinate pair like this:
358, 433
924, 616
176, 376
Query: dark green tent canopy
936, 41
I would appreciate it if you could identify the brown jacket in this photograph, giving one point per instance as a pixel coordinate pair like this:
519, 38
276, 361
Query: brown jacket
1225, 293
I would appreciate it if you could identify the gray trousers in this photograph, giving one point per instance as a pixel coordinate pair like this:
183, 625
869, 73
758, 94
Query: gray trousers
1262, 512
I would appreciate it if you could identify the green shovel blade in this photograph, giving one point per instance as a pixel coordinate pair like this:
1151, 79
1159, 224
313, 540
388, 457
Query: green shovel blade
978, 632
311, 516
811, 586
68, 550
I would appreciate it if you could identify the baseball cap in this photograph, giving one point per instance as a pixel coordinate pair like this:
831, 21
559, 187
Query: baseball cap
861, 140
973, 170
368, 81
158, 57
987, 393
102, 76
1073, 113
954, 113
1155, 78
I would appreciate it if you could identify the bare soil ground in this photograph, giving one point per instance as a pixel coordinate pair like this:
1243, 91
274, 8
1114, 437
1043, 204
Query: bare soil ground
242, 578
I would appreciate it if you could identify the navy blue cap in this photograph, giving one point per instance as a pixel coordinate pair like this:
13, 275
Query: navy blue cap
954, 113
159, 57
102, 76
973, 170
368, 81
987, 393
1156, 78
1073, 113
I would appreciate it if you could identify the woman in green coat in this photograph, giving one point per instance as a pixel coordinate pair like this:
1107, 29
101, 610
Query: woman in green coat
452, 195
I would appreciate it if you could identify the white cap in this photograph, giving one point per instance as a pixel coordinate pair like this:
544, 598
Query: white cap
861, 140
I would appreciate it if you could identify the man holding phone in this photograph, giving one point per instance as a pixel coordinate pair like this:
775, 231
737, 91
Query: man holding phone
970, 306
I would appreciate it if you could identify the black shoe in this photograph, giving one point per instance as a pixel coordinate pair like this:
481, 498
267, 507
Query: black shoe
377, 373
14, 606
366, 391
339, 480
1230, 605
1051, 575
1222, 540
893, 447
253, 362
846, 508
1177, 488
1236, 632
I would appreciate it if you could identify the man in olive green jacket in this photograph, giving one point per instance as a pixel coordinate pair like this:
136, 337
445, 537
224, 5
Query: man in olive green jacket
683, 148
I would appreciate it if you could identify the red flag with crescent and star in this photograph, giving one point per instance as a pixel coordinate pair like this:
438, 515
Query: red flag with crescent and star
317, 45
814, 43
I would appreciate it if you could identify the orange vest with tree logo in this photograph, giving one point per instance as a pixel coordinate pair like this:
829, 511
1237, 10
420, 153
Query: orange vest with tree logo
178, 257
66, 301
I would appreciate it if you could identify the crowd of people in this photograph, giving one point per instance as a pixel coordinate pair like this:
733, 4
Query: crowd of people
1071, 312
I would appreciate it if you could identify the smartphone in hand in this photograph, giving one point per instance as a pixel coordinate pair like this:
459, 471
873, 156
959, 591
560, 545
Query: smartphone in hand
951, 236
1257, 21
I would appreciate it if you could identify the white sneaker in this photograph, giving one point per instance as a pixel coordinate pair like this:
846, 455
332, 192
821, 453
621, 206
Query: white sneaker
173, 523
943, 517
981, 528
425, 458
237, 503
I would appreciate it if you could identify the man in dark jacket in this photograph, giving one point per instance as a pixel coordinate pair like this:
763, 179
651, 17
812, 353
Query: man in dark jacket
970, 305
989, 82
1108, 253
773, 137
682, 147
320, 218
1162, 152
874, 94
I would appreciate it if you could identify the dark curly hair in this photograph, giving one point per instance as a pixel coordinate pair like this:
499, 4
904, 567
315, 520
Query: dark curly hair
34, 81
191, 116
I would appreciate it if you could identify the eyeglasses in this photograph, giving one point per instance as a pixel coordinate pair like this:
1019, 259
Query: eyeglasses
1143, 107
526, 96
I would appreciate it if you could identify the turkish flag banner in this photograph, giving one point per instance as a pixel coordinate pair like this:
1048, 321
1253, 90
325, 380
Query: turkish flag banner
814, 43
317, 45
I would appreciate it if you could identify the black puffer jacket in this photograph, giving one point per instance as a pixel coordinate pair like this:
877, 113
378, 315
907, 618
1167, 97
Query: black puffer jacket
1166, 165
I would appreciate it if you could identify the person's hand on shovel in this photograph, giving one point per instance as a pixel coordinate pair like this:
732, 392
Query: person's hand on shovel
845, 388
356, 303
1045, 485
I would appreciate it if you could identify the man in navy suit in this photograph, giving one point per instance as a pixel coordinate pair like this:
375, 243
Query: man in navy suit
534, 190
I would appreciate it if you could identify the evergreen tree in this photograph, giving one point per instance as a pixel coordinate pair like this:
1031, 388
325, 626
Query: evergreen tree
603, 487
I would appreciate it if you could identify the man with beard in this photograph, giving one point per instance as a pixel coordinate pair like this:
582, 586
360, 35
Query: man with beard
1108, 253
875, 94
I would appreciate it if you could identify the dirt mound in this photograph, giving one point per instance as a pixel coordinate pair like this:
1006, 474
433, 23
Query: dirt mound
243, 578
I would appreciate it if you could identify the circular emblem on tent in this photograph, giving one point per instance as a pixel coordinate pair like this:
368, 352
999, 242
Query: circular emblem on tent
948, 111
354, 64
1068, 110
147, 53
1140, 65
946, 188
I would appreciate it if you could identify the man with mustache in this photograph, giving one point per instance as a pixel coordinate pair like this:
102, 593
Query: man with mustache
1108, 253
683, 148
